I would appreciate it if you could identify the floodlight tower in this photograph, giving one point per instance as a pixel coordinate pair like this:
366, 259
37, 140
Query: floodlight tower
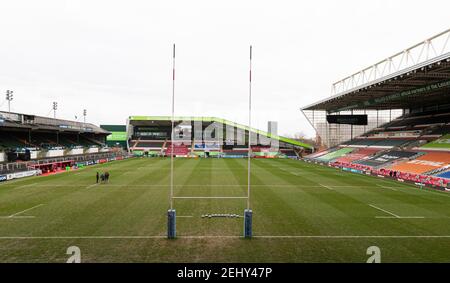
84, 115
9, 98
55, 107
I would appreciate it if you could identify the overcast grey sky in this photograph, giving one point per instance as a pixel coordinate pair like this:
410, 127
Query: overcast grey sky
114, 57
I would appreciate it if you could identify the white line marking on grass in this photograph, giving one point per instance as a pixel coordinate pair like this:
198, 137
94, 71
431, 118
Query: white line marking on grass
23, 187
80, 237
91, 186
327, 187
229, 237
384, 187
354, 237
15, 215
401, 217
394, 215
210, 197
23, 211
203, 185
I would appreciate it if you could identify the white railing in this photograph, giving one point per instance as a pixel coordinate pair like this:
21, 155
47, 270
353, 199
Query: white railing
433, 47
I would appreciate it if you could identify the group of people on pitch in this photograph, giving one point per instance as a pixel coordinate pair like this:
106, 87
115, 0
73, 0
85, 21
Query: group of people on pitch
103, 177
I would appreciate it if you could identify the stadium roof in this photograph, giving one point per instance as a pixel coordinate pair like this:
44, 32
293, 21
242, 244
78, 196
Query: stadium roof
32, 122
391, 84
163, 120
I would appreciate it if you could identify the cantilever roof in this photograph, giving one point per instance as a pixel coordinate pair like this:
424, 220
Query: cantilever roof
34, 122
222, 121
425, 84
416, 76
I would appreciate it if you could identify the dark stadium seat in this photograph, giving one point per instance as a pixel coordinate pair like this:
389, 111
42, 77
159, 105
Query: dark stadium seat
385, 158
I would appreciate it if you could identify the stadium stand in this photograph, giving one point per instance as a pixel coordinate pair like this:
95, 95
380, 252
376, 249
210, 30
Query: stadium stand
287, 152
386, 158
444, 175
178, 149
153, 133
26, 137
442, 143
404, 114
318, 154
335, 154
357, 155
425, 163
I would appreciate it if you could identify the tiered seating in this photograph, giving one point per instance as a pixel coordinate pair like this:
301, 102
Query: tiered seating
361, 142
288, 153
10, 141
88, 142
442, 143
178, 149
440, 130
357, 155
335, 154
425, 163
444, 175
415, 147
390, 143
69, 141
424, 118
150, 144
386, 158
419, 178
234, 153
320, 153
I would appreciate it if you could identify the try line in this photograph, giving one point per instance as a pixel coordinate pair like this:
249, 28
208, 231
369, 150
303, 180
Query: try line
229, 237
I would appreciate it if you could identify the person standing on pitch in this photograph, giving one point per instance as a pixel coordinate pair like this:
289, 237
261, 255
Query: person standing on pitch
107, 177
97, 176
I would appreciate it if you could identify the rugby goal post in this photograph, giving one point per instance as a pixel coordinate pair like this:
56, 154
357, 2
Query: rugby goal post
248, 213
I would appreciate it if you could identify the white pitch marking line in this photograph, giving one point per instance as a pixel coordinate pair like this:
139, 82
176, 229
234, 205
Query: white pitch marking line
23, 187
15, 215
91, 186
210, 197
203, 185
327, 187
384, 187
231, 237
287, 170
395, 215
353, 237
401, 217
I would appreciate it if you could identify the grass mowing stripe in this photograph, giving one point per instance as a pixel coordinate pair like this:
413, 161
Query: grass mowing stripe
126, 220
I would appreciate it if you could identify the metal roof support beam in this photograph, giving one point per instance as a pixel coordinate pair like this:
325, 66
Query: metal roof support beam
406, 58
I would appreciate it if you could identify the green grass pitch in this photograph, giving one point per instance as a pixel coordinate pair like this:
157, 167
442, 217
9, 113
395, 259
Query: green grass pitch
302, 213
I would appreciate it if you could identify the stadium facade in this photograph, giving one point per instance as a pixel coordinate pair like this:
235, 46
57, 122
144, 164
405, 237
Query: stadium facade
391, 119
207, 136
